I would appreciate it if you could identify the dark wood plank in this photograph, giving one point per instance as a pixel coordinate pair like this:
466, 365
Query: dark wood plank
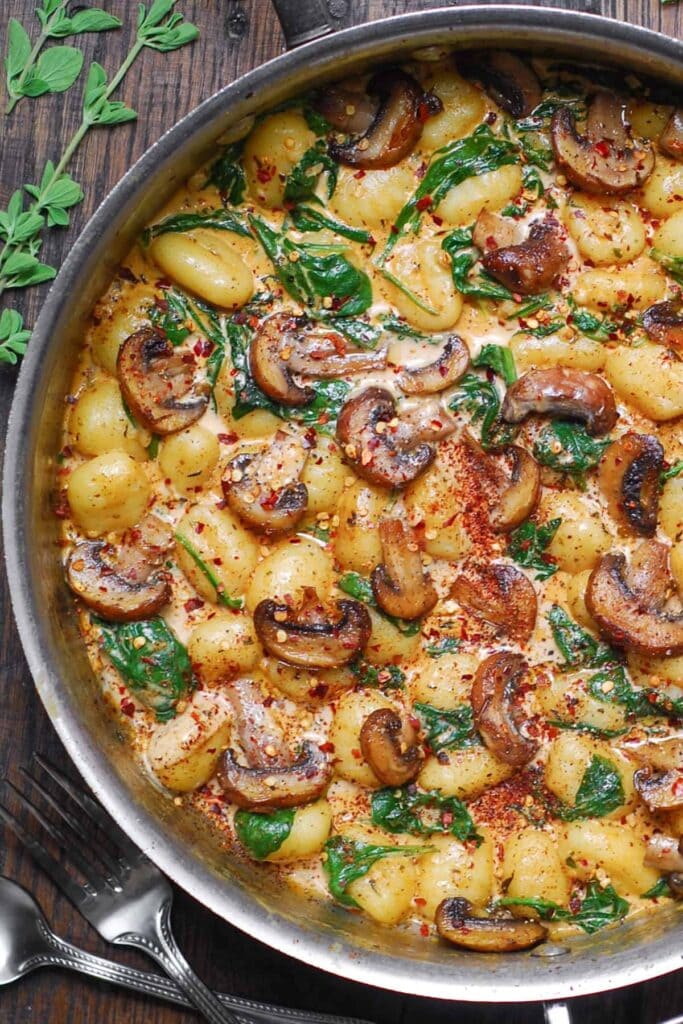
236, 35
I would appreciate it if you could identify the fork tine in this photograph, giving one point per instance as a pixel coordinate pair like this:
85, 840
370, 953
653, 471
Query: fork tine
110, 863
59, 836
52, 868
91, 808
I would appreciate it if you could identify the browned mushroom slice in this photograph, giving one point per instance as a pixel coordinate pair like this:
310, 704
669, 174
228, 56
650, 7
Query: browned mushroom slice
275, 786
500, 594
660, 791
456, 924
396, 127
664, 853
531, 266
605, 160
659, 753
122, 584
520, 497
664, 323
509, 81
496, 716
626, 618
648, 575
671, 139
576, 394
254, 722
326, 355
439, 374
492, 230
628, 476
676, 884
390, 746
268, 360
264, 490
400, 585
158, 382
372, 439
310, 637
347, 106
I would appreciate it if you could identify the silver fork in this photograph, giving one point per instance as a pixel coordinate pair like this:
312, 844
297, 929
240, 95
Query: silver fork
126, 898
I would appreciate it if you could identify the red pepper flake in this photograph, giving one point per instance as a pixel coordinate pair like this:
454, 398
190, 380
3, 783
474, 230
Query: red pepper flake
420, 901
127, 708
327, 747
199, 527
62, 506
602, 148
359, 175
265, 172
424, 931
203, 347
193, 604
268, 701
230, 438
424, 203
356, 753
437, 220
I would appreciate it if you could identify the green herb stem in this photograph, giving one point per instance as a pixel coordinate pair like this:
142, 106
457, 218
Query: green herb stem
33, 56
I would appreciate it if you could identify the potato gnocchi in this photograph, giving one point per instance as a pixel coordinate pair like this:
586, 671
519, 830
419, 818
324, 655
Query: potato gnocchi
372, 492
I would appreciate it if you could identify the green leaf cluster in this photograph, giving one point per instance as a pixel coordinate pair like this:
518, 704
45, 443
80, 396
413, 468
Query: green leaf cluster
476, 154
600, 906
152, 661
219, 220
568, 448
480, 398
312, 274
578, 648
447, 730
13, 336
498, 358
464, 255
263, 834
643, 703
349, 859
444, 645
227, 174
407, 809
385, 677
527, 545
302, 182
360, 588
306, 218
600, 792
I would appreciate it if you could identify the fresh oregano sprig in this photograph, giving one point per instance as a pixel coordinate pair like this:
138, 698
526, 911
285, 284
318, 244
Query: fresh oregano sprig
13, 337
31, 72
159, 28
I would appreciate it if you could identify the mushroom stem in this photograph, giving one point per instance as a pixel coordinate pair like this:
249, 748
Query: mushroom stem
495, 714
400, 584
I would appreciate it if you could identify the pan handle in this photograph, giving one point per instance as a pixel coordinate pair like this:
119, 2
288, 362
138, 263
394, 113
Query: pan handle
556, 1013
302, 20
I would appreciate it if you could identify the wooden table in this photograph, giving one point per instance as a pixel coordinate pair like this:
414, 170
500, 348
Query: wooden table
236, 35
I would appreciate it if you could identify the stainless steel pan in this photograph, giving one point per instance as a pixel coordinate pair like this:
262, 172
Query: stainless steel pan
325, 936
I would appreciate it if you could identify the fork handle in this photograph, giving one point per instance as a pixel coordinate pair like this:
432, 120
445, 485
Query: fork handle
159, 943
64, 954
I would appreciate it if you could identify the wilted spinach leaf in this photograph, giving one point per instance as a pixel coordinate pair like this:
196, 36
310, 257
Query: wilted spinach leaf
152, 661
227, 174
447, 730
360, 588
527, 546
464, 255
349, 859
579, 648
219, 220
263, 834
398, 810
569, 448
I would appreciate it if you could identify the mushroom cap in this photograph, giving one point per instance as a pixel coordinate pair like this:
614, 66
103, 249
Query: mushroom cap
560, 391
390, 746
519, 498
383, 454
269, 368
508, 80
456, 924
671, 139
628, 476
268, 788
664, 323
660, 791
604, 160
158, 382
500, 594
627, 618
310, 637
530, 266
396, 126
440, 374
496, 716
